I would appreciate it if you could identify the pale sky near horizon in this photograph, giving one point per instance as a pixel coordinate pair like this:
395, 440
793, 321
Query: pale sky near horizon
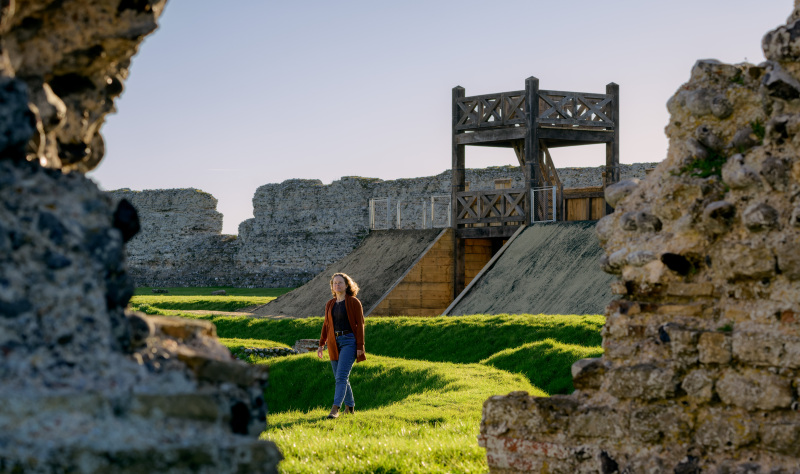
228, 98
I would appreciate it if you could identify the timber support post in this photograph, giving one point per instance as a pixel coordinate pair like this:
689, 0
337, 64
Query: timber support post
612, 147
532, 171
457, 185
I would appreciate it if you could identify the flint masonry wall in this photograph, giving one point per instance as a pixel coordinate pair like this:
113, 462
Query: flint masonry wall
701, 367
299, 226
86, 383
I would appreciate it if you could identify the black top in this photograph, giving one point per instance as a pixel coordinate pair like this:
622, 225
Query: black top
339, 313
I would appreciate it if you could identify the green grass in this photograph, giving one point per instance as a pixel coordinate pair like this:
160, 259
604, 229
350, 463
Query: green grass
418, 395
201, 299
462, 340
207, 303
411, 416
206, 291
233, 343
553, 359
705, 167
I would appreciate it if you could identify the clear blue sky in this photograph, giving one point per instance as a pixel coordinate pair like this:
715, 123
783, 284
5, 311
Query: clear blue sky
226, 97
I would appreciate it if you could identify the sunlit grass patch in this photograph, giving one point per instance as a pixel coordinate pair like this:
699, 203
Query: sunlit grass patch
193, 302
419, 394
206, 291
232, 343
553, 359
200, 298
411, 415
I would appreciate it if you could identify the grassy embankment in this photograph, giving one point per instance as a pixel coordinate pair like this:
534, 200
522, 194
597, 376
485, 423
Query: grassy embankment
418, 395
202, 299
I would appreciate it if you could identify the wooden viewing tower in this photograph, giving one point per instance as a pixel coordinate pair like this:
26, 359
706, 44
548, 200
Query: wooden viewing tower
529, 121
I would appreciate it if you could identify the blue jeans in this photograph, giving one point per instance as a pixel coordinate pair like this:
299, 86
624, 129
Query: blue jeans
341, 370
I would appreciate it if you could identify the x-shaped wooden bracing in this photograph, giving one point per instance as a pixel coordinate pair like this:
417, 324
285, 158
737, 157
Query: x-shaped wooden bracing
468, 111
502, 108
573, 106
517, 204
489, 203
515, 107
501, 204
465, 207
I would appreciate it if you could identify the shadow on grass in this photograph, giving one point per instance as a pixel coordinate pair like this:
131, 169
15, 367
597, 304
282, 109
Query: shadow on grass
553, 361
305, 383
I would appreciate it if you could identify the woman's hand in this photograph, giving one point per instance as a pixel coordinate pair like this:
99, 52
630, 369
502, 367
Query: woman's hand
359, 353
319, 352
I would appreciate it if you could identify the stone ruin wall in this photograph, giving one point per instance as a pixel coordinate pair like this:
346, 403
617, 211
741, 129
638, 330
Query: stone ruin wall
88, 386
701, 369
299, 226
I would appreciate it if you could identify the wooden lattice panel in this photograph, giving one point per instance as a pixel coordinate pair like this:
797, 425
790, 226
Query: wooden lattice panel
575, 108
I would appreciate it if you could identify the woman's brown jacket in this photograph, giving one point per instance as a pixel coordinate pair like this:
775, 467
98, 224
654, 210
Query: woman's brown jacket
355, 314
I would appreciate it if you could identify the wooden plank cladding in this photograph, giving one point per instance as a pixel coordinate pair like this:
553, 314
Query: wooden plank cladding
477, 254
584, 204
427, 288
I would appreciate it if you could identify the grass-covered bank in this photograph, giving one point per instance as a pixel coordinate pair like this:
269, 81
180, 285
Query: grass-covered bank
418, 396
193, 299
540, 347
411, 416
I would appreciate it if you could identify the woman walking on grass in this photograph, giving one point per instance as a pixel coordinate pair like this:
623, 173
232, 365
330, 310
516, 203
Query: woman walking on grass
343, 331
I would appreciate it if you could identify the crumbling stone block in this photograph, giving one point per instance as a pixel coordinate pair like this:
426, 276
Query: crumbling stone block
661, 422
683, 343
725, 429
598, 422
587, 374
783, 438
646, 381
754, 389
714, 348
757, 348
699, 385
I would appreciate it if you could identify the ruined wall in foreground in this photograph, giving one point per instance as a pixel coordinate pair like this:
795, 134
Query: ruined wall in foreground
87, 386
701, 367
299, 226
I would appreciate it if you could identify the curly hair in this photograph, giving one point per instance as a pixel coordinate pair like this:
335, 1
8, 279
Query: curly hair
352, 287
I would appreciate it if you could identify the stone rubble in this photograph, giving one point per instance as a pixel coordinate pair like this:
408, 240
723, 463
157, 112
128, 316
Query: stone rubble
301, 346
87, 386
702, 350
266, 352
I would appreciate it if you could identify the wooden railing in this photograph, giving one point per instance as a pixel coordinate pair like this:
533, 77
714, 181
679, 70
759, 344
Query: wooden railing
491, 110
556, 108
575, 109
496, 206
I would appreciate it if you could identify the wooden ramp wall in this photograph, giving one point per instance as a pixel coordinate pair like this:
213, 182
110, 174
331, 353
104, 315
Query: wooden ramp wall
477, 253
426, 289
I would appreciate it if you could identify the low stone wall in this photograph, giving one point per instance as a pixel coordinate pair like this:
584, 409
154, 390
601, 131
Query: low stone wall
299, 226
